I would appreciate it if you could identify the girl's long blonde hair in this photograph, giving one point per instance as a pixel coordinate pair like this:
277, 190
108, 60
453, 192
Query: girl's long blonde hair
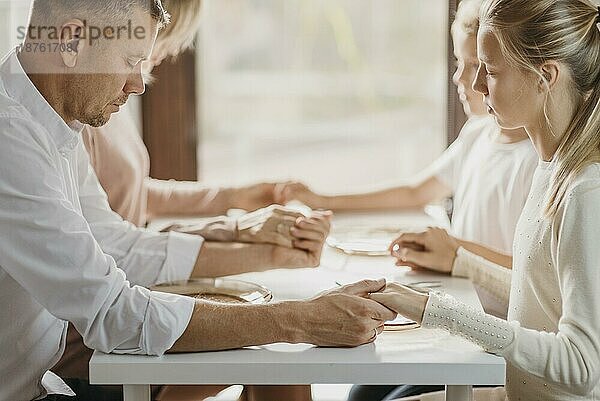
532, 32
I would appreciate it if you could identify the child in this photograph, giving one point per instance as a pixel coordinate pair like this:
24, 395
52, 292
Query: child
488, 170
540, 69
490, 180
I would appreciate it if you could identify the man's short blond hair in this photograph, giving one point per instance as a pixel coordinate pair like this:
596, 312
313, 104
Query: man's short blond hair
110, 10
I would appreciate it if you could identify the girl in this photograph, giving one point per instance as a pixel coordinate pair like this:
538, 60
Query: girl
490, 178
540, 69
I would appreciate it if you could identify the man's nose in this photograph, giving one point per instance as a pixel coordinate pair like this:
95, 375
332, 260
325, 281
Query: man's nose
135, 83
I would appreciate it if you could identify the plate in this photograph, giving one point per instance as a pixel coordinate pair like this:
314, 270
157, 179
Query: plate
400, 324
219, 290
367, 241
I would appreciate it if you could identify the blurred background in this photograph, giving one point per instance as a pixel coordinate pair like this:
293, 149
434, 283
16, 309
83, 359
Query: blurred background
338, 93
342, 94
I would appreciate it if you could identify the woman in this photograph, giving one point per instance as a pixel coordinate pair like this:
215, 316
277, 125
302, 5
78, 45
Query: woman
540, 69
122, 163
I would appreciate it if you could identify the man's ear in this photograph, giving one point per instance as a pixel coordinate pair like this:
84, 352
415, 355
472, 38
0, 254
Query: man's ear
550, 70
72, 41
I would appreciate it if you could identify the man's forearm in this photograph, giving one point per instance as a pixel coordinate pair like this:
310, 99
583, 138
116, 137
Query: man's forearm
220, 326
218, 259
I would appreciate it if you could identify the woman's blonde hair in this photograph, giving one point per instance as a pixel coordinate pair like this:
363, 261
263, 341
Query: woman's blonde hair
467, 17
179, 35
532, 32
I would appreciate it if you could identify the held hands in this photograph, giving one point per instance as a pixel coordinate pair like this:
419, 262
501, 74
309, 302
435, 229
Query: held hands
403, 300
291, 191
309, 238
279, 226
299, 239
433, 249
344, 317
254, 196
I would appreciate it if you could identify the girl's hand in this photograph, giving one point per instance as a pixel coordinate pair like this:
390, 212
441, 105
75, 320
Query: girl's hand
433, 249
402, 300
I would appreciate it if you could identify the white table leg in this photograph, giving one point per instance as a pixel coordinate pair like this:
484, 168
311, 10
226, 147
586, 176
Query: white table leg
136, 392
459, 393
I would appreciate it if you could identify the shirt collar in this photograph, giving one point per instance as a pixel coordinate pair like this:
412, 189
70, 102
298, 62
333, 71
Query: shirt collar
20, 88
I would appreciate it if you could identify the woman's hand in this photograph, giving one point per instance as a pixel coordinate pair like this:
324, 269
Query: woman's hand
433, 249
402, 300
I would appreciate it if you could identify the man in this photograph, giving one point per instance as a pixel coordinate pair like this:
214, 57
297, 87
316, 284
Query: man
53, 270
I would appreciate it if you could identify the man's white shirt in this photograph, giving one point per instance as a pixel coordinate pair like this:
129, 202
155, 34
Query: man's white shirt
66, 257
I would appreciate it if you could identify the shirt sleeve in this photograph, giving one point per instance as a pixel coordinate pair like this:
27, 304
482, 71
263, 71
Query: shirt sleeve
51, 252
493, 278
572, 355
446, 168
147, 257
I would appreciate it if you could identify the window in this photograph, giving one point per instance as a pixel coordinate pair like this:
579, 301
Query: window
341, 94
13, 17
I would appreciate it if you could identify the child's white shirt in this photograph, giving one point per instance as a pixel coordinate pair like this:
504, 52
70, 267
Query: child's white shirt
490, 182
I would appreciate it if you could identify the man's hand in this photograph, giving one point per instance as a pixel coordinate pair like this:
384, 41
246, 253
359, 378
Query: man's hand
433, 249
290, 191
403, 300
309, 238
342, 317
279, 226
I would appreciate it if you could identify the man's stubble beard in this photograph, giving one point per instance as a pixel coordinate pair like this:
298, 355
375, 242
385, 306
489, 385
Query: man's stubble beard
96, 121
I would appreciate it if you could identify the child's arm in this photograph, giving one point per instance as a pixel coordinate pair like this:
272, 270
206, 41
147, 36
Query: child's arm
409, 196
490, 254
435, 249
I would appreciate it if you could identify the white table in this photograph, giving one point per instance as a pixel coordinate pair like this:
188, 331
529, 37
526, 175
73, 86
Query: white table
415, 357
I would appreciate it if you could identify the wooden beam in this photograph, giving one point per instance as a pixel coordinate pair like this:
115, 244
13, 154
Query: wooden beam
455, 116
169, 119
